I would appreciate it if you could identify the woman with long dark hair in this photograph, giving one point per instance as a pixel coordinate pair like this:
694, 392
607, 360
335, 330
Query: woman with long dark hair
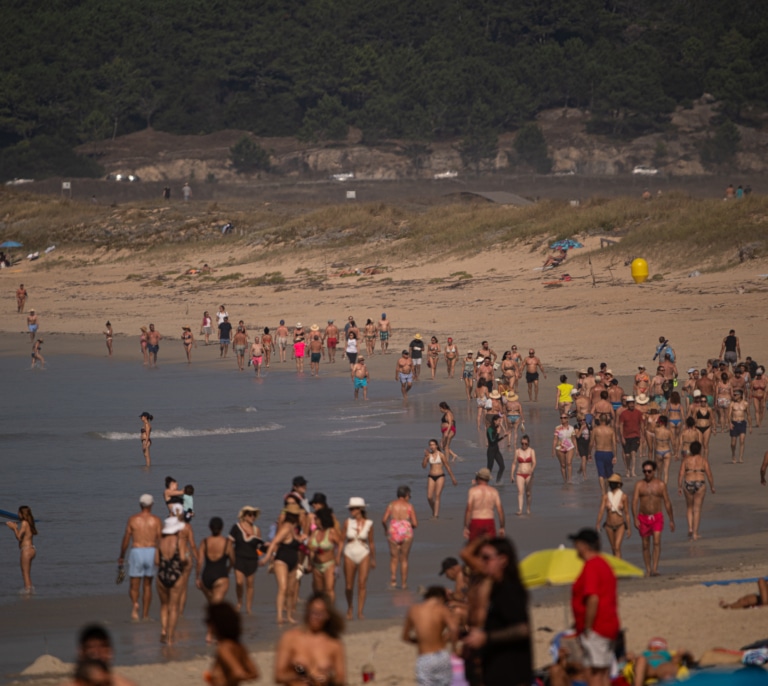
25, 531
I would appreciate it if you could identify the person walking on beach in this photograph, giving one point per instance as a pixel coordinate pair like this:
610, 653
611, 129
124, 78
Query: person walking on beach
153, 345
240, 344
730, 350
325, 544
739, 419
758, 388
205, 327
187, 340
25, 531
282, 339
602, 443
170, 560
21, 298
283, 556
143, 344
630, 425
430, 625
359, 554
595, 607
399, 521
404, 372
416, 347
649, 496
32, 325
225, 331
331, 340
146, 436
109, 336
257, 355
247, 546
493, 436
385, 330
693, 469
232, 664
37, 355
615, 506
483, 503
438, 465
316, 350
360, 376
533, 366
268, 346
299, 347
523, 467
142, 534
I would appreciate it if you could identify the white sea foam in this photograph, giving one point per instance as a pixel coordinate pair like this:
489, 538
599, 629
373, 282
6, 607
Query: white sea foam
339, 432
370, 415
181, 432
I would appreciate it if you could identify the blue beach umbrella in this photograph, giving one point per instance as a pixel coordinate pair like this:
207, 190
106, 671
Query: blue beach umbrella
744, 676
11, 244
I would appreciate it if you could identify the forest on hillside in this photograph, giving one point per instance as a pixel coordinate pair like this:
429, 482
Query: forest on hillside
73, 71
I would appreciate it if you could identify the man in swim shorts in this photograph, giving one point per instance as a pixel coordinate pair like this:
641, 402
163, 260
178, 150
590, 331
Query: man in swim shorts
360, 376
225, 331
739, 419
331, 339
153, 344
404, 372
630, 423
21, 298
315, 349
649, 496
385, 329
282, 339
142, 533
240, 344
32, 325
603, 441
483, 502
532, 367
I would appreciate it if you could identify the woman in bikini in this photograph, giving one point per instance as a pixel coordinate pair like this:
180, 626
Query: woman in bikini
515, 417
448, 430
25, 531
468, 373
187, 339
687, 436
110, 335
283, 554
523, 467
172, 495
325, 546
190, 558
662, 447
146, 435
231, 664
451, 356
563, 446
170, 560
267, 346
313, 653
704, 419
433, 355
615, 506
399, 521
690, 482
247, 545
438, 465
675, 417
484, 403
143, 343
508, 369
359, 554
369, 332
215, 557
723, 400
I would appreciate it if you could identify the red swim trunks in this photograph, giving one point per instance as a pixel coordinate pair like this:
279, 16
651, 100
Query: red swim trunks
480, 527
650, 524
332, 342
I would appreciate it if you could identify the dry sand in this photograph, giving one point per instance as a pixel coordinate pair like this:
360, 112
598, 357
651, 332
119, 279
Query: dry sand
505, 301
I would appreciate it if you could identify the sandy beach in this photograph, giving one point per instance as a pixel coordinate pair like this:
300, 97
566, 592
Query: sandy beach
505, 301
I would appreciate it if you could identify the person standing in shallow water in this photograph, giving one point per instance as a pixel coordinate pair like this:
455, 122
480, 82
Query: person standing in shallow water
146, 440
25, 531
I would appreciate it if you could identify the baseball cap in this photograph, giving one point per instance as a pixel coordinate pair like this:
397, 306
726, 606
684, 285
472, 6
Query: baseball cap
299, 481
589, 536
484, 474
146, 500
319, 499
446, 564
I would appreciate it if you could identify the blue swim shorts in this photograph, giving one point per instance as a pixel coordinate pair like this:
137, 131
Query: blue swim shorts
141, 562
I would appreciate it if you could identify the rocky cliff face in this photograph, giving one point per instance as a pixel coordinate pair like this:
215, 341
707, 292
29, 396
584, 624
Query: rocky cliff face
156, 156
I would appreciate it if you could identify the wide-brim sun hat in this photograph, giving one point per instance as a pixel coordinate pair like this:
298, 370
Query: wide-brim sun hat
356, 502
314, 327
495, 395
246, 510
642, 399
172, 525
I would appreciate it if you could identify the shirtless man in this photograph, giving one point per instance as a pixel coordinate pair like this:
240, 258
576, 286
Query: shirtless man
331, 339
707, 387
615, 394
315, 349
37, 356
739, 419
532, 367
21, 298
240, 344
257, 355
430, 625
758, 395
739, 383
730, 350
602, 441
483, 502
604, 406
32, 325
282, 339
588, 382
404, 372
385, 330
153, 344
360, 376
484, 374
647, 500
144, 529
582, 406
669, 371
486, 351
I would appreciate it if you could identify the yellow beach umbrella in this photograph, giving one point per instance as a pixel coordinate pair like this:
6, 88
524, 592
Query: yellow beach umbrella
558, 566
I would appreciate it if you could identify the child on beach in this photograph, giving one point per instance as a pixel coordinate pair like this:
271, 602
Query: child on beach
188, 502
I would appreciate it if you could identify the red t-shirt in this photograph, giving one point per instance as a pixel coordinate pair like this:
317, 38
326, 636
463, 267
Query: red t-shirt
631, 423
597, 578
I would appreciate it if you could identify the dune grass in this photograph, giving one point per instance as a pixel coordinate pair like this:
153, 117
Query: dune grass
675, 230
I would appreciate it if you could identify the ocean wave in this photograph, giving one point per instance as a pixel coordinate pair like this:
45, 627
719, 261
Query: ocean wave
369, 415
181, 432
251, 409
339, 432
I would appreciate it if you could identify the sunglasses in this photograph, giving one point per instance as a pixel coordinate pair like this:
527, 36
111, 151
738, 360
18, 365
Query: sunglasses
647, 471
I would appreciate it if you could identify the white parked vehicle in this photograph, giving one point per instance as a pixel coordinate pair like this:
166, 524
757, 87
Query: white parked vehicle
347, 176
642, 170
451, 174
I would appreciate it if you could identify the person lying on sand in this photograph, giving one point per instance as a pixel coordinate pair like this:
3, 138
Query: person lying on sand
556, 258
758, 599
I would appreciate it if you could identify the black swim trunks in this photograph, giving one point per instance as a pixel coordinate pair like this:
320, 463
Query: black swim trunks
530, 377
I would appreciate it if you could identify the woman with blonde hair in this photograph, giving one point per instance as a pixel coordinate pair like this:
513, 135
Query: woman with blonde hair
25, 531
325, 546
